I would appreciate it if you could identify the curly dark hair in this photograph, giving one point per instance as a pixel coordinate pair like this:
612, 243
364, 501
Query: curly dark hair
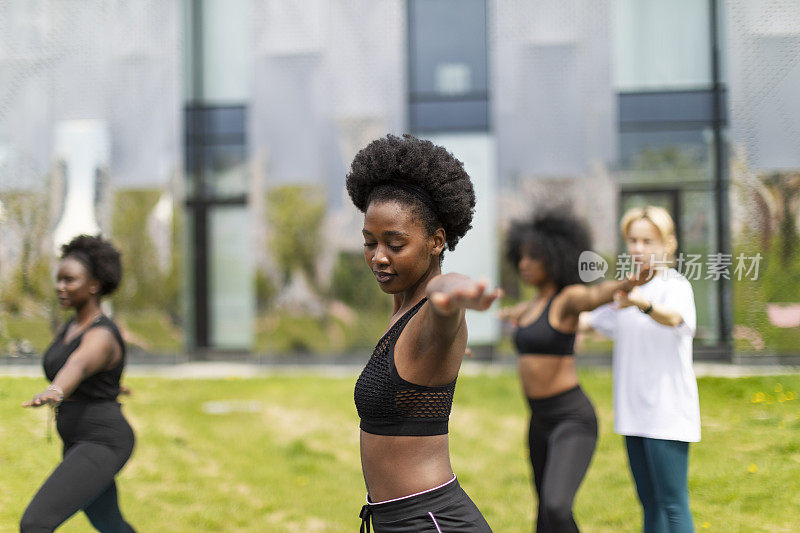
555, 238
382, 169
100, 258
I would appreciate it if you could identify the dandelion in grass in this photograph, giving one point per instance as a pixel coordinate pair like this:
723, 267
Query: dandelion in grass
752, 468
706, 525
758, 397
778, 387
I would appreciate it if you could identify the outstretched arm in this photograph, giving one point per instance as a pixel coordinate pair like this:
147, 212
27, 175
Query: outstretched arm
580, 298
450, 295
93, 354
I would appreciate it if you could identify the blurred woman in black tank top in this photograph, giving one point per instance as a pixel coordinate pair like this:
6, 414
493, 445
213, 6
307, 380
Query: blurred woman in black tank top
563, 426
417, 199
84, 365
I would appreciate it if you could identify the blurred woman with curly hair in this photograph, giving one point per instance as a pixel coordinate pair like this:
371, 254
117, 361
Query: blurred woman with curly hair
84, 365
563, 427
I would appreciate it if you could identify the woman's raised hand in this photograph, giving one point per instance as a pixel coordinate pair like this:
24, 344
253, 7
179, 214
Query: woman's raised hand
448, 293
623, 299
642, 274
49, 396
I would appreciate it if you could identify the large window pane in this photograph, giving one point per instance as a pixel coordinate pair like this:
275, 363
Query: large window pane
698, 237
666, 135
231, 297
447, 65
226, 170
661, 44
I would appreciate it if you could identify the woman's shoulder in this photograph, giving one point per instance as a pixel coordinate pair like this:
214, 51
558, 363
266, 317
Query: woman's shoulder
108, 327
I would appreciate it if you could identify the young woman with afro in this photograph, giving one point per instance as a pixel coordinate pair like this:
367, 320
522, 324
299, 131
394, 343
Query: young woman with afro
417, 200
563, 426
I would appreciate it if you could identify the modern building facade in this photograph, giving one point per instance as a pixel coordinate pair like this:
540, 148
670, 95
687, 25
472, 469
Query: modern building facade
595, 105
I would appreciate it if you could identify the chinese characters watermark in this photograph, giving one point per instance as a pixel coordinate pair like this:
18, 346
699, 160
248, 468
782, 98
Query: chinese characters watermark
694, 267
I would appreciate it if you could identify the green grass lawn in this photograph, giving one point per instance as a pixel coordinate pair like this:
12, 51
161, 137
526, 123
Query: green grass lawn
288, 461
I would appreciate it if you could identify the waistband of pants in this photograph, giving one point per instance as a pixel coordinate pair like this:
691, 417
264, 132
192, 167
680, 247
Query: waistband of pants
427, 499
561, 399
80, 407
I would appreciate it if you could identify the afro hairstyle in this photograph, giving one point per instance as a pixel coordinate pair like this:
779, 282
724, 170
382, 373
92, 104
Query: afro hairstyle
416, 163
556, 238
100, 258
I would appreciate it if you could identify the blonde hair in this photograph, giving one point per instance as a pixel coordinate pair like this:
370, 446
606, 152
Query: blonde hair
658, 217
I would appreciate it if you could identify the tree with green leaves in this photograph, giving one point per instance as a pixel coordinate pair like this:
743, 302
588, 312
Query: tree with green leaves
295, 214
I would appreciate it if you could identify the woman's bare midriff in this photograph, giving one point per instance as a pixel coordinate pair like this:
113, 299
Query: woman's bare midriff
543, 376
400, 466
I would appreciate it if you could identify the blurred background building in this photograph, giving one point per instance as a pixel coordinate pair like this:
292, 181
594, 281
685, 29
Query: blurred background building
217, 135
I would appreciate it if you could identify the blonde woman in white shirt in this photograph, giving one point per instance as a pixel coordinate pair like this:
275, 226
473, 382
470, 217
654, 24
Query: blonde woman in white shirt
656, 404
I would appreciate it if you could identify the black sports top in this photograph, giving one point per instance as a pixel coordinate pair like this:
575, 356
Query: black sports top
540, 338
103, 385
389, 405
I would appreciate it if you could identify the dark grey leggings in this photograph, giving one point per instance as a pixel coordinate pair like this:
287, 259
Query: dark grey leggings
97, 443
562, 439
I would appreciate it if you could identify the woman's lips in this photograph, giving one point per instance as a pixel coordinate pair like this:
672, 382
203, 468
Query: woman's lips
382, 277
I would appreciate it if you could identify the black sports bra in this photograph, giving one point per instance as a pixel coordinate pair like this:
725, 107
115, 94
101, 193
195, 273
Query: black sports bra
540, 338
389, 405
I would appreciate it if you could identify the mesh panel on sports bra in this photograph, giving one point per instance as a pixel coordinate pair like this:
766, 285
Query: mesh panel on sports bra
389, 405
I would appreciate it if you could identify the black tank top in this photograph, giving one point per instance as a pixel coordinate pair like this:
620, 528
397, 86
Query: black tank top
540, 338
103, 385
389, 405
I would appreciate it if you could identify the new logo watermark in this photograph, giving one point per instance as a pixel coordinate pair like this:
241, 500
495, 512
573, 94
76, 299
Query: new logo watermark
694, 267
591, 266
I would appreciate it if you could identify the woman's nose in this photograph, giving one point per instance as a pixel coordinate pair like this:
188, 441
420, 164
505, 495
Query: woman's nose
380, 257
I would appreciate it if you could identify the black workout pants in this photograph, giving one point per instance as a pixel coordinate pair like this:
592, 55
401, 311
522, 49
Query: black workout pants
97, 443
562, 438
444, 509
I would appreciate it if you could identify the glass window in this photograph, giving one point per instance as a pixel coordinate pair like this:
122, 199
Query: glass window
216, 151
661, 44
698, 237
226, 170
665, 155
448, 83
231, 298
666, 135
